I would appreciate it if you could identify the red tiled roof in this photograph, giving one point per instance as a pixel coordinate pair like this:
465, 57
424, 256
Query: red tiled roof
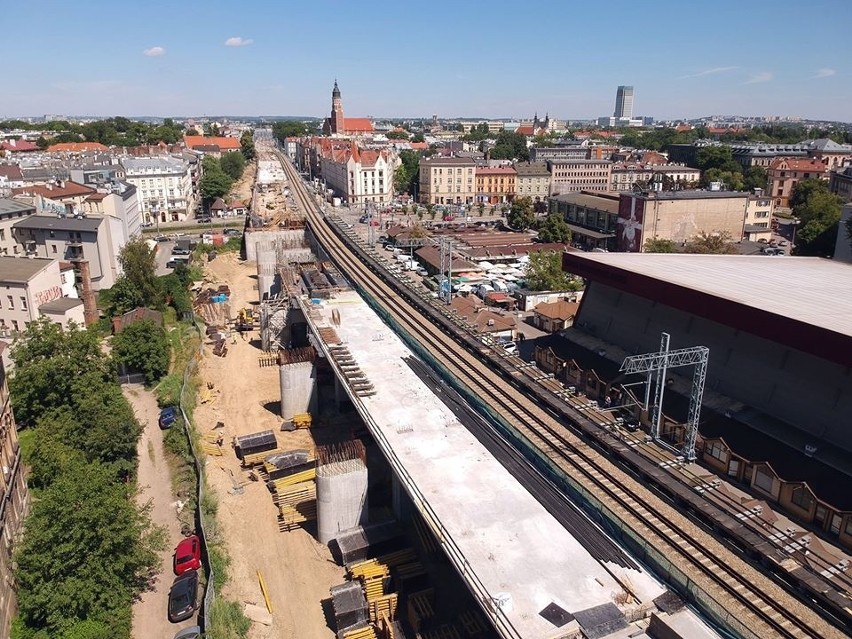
795, 164
18, 145
495, 170
224, 143
11, 172
76, 147
419, 146
526, 129
55, 192
96, 197
560, 310
357, 125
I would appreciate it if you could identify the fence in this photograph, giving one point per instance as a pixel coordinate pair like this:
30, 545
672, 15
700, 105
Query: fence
209, 590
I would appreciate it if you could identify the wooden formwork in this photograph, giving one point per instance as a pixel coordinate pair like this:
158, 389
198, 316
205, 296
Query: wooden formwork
258, 458
420, 608
295, 478
297, 494
473, 624
383, 607
291, 517
445, 631
367, 632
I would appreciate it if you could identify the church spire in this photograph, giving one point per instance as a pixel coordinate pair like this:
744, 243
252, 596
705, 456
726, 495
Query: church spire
335, 93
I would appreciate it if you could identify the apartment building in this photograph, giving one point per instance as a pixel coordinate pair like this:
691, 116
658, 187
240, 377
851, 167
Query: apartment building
570, 176
785, 173
627, 174
164, 187
14, 500
447, 181
30, 288
532, 181
93, 240
495, 184
570, 150
11, 212
359, 175
120, 202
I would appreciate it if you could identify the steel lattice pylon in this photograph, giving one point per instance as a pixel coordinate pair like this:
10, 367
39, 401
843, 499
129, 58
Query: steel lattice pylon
659, 363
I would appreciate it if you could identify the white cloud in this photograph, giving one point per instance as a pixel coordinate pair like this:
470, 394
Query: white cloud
758, 78
825, 73
237, 41
154, 52
712, 71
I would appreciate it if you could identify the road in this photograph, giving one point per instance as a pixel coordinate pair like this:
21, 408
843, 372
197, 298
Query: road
154, 481
164, 254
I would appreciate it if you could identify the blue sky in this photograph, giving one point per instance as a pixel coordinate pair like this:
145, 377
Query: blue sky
464, 58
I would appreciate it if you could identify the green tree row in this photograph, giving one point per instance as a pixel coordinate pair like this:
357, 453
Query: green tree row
219, 175
117, 131
88, 549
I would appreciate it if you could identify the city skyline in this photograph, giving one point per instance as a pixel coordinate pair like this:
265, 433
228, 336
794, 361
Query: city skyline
220, 58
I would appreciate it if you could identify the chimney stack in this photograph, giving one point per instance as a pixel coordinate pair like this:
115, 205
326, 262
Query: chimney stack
90, 309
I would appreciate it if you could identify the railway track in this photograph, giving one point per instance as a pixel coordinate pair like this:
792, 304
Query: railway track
750, 603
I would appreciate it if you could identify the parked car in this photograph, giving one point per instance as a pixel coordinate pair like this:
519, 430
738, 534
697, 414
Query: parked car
168, 416
183, 596
180, 250
193, 632
174, 263
163, 238
187, 555
233, 232
203, 219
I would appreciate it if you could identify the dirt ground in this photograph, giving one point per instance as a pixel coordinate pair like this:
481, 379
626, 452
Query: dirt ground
242, 190
150, 611
298, 570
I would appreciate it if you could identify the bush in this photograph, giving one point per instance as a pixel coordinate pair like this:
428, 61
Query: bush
168, 390
143, 347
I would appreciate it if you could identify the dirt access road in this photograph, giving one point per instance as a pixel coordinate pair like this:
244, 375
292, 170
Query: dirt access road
298, 570
150, 612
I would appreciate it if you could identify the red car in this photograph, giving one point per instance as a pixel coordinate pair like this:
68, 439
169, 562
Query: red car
187, 555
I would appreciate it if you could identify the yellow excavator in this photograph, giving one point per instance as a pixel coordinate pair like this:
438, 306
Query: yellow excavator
245, 319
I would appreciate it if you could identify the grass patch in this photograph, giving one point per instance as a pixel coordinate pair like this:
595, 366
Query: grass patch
227, 621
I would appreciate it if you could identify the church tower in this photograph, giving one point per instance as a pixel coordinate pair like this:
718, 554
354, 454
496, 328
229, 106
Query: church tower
338, 123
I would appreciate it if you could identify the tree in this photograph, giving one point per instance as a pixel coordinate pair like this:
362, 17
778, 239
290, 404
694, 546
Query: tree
521, 215
554, 229
289, 129
214, 182
544, 273
233, 164
87, 551
717, 157
719, 243
654, 245
397, 135
121, 298
755, 177
510, 146
733, 180
139, 263
174, 289
48, 361
143, 347
247, 145
418, 137
819, 212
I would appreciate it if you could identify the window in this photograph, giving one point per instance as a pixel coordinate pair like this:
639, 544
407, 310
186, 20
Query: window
15, 325
2, 234
53, 247
11, 302
802, 498
847, 530
763, 480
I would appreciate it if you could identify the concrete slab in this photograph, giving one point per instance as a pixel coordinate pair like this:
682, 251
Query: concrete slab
508, 542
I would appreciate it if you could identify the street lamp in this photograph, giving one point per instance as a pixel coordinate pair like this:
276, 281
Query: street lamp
796, 221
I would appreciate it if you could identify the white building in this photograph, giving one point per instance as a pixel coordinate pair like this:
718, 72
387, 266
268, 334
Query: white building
359, 175
122, 203
31, 287
164, 186
11, 212
625, 174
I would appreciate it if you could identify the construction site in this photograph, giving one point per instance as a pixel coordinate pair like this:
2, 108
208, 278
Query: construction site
307, 497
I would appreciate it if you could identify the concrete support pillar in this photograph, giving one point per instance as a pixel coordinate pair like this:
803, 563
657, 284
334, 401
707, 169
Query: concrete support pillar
341, 498
298, 388
400, 500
